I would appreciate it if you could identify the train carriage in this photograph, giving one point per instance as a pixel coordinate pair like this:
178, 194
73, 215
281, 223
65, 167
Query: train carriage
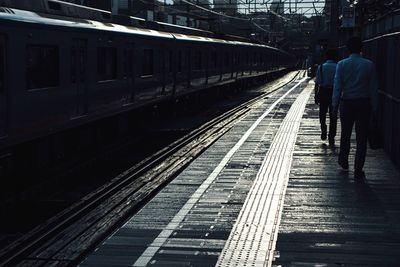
57, 73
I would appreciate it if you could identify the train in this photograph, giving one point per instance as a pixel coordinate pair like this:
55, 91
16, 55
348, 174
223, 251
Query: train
59, 72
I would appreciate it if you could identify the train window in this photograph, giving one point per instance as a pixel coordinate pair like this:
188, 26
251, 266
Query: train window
42, 66
106, 63
2, 68
197, 60
148, 62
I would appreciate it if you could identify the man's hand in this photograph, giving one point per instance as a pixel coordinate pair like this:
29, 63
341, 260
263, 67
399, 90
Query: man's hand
316, 94
335, 110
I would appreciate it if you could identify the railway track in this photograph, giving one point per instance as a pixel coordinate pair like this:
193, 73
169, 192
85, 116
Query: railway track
64, 239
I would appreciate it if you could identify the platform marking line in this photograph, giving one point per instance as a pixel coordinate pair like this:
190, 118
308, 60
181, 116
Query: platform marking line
253, 237
152, 249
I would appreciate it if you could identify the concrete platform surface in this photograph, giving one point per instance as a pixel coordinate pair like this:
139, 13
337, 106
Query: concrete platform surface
268, 193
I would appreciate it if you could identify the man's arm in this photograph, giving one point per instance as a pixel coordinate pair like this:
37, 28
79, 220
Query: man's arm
318, 76
337, 86
317, 83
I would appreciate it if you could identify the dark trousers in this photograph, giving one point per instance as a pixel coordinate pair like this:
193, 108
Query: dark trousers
356, 111
324, 107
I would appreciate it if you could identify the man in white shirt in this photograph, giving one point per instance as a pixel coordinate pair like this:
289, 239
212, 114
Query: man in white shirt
324, 84
356, 88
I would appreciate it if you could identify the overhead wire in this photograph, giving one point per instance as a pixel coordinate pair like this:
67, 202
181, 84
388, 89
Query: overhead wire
220, 14
214, 12
224, 15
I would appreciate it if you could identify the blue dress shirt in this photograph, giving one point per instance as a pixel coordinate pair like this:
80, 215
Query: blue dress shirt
355, 78
328, 73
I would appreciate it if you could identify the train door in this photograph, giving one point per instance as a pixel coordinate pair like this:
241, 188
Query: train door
129, 72
3, 91
163, 68
169, 71
79, 77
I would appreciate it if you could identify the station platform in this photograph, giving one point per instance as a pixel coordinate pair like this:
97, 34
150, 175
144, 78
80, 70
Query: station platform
267, 193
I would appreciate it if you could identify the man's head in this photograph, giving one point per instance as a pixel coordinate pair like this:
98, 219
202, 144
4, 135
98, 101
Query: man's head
354, 45
331, 54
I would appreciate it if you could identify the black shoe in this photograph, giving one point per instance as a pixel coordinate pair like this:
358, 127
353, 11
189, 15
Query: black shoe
343, 164
359, 176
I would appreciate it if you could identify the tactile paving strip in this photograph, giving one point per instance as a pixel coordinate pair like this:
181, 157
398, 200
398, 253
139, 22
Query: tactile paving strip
252, 240
148, 254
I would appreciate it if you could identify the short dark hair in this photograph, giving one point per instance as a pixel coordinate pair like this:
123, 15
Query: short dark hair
354, 44
331, 54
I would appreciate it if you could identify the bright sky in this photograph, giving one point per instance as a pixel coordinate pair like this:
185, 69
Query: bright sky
307, 7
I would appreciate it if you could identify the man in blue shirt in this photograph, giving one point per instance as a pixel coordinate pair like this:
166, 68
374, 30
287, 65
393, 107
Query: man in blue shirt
323, 95
356, 88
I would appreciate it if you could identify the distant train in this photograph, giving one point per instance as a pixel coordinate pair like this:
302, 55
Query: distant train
59, 72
